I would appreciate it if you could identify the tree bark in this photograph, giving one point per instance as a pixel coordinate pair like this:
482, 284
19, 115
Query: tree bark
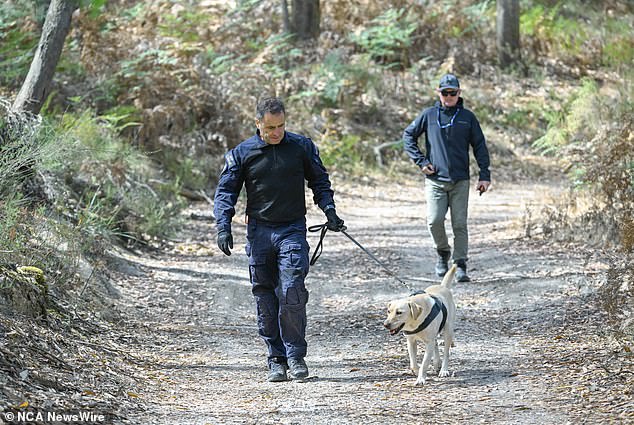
508, 32
285, 17
36, 86
305, 17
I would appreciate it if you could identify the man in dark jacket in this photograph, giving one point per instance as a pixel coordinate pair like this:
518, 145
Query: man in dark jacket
273, 166
450, 130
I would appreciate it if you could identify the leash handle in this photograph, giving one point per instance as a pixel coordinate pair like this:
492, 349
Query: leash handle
320, 246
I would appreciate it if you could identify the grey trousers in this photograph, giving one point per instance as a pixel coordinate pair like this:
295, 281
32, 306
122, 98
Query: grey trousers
443, 196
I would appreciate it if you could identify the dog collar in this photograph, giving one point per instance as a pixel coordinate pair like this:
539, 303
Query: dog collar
437, 308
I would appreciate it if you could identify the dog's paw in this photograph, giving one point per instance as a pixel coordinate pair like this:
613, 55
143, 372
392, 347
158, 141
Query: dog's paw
443, 373
420, 382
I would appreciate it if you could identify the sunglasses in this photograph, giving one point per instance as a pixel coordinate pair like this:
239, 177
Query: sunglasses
449, 92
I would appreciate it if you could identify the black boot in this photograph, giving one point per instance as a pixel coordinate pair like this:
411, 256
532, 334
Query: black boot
461, 271
277, 369
442, 266
297, 369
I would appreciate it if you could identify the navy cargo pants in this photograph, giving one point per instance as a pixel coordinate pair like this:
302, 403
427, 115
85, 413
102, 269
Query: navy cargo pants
278, 265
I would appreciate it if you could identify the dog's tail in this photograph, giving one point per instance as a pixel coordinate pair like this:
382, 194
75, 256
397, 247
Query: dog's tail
446, 281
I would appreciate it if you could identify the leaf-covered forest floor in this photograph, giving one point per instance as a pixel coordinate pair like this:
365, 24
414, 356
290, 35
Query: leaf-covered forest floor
533, 347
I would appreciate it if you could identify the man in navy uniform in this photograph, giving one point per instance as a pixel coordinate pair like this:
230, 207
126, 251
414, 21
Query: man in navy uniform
450, 130
273, 166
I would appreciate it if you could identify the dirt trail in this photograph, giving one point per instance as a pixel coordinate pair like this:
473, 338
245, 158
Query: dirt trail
531, 344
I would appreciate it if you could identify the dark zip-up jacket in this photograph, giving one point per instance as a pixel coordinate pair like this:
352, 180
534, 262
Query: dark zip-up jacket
447, 149
274, 177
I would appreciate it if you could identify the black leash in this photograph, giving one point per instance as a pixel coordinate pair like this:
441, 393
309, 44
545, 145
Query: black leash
323, 228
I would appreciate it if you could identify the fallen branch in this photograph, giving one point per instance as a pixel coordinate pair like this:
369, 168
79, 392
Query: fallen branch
378, 149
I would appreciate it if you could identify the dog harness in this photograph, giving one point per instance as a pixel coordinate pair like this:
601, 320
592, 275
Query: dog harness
437, 308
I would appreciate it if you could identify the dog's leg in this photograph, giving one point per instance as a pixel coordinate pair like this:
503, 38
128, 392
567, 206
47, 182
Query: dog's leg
444, 370
411, 349
436, 357
422, 372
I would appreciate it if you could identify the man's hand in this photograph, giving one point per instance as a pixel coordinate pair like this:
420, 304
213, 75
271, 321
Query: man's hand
225, 241
334, 222
482, 186
428, 170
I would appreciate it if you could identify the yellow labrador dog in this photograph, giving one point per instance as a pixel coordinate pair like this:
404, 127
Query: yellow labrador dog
422, 317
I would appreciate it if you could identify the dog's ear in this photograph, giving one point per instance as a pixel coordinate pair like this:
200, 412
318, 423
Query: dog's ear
414, 310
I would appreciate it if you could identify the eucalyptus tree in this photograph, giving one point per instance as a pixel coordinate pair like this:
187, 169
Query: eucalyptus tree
508, 32
303, 18
36, 85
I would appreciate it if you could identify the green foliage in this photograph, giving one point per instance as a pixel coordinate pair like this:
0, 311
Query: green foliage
593, 135
387, 38
121, 117
93, 7
11, 217
618, 53
106, 90
478, 15
20, 146
185, 25
246, 5
577, 119
279, 55
112, 179
17, 10
17, 43
219, 63
142, 65
187, 171
337, 82
69, 63
136, 11
343, 153
25, 143
578, 33
136, 73
563, 34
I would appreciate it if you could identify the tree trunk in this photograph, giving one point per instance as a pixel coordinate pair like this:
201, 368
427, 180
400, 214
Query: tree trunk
36, 86
305, 19
287, 24
508, 32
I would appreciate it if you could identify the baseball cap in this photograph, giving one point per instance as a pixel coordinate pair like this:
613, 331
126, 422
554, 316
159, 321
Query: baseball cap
449, 81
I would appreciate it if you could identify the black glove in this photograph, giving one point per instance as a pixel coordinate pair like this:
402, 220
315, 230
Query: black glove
225, 241
334, 222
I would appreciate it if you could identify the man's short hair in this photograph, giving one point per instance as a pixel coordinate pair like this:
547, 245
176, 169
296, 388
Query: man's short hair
272, 105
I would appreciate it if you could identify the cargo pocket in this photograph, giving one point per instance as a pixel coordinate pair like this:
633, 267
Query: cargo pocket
259, 272
296, 296
294, 268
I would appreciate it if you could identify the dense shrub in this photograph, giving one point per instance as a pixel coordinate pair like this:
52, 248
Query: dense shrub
593, 136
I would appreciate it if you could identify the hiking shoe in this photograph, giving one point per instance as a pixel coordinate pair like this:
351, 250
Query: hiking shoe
442, 266
277, 372
297, 369
461, 272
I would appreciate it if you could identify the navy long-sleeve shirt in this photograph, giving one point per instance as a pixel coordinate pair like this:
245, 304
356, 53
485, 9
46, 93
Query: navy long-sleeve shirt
274, 177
